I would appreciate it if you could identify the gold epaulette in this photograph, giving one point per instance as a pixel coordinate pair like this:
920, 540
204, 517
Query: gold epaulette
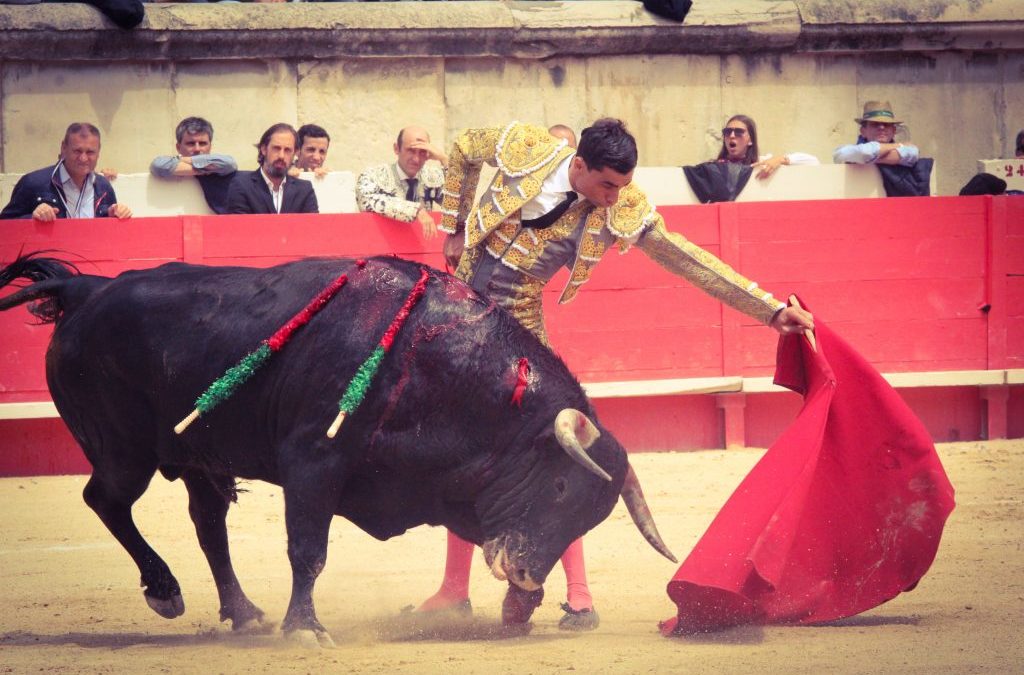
524, 148
631, 215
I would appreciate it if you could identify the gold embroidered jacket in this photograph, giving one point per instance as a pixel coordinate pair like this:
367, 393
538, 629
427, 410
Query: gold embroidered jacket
525, 155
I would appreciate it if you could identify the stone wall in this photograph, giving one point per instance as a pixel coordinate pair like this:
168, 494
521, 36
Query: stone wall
953, 69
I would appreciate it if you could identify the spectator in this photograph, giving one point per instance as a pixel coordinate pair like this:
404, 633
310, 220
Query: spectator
1020, 145
876, 144
71, 188
739, 144
214, 172
983, 184
563, 131
406, 189
723, 179
268, 189
313, 144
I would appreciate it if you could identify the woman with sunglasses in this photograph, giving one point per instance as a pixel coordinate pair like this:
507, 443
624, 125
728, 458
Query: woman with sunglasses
739, 145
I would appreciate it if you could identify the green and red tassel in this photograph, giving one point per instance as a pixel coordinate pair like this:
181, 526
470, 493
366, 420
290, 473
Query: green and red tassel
227, 384
360, 384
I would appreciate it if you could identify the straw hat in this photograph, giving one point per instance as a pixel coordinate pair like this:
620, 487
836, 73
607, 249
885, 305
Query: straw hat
878, 111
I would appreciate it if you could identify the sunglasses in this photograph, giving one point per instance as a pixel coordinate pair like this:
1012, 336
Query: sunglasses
732, 131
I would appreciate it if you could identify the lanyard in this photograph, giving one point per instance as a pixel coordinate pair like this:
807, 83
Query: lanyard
55, 178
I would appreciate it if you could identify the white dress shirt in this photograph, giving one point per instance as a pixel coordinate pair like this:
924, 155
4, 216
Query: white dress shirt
278, 193
552, 192
79, 203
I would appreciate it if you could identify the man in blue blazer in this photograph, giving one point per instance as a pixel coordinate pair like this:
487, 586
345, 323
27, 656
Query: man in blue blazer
71, 188
269, 189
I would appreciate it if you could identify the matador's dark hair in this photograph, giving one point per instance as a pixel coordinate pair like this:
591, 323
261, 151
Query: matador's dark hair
607, 143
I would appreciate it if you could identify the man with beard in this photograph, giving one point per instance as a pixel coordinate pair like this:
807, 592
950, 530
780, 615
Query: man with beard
268, 189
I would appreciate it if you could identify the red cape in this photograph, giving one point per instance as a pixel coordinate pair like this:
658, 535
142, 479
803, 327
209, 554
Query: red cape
842, 513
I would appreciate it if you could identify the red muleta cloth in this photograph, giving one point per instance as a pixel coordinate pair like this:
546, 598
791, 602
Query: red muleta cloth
843, 512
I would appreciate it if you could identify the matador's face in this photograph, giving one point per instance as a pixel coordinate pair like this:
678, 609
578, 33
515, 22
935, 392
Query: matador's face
600, 187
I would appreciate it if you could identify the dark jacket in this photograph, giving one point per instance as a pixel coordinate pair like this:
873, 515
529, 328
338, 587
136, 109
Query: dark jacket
44, 185
215, 189
717, 181
249, 194
907, 181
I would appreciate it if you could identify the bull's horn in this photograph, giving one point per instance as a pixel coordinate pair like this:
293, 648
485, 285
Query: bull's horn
637, 505
575, 433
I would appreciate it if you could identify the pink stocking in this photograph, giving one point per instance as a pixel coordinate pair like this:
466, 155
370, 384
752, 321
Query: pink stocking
577, 592
455, 585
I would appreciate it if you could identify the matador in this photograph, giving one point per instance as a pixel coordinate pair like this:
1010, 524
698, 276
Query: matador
551, 205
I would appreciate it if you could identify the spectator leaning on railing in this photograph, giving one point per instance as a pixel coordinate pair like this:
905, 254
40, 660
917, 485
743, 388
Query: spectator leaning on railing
314, 141
214, 172
71, 188
723, 178
406, 189
903, 172
876, 143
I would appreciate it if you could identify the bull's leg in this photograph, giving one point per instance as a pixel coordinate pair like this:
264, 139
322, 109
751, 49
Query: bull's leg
309, 502
208, 500
111, 495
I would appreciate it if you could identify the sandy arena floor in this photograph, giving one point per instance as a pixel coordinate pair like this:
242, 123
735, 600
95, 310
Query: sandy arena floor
72, 603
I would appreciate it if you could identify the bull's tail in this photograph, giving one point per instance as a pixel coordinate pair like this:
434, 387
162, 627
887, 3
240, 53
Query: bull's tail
47, 292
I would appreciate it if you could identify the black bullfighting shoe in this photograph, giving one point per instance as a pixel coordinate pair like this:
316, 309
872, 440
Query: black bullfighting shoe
583, 619
518, 605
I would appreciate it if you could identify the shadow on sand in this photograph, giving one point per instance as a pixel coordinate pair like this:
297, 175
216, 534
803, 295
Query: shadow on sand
406, 627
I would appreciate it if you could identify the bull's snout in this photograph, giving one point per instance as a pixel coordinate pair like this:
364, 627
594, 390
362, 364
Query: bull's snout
511, 566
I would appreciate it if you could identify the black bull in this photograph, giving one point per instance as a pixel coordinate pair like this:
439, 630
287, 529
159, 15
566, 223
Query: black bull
441, 438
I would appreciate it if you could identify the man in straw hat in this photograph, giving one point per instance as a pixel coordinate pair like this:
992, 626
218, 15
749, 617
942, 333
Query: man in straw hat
875, 144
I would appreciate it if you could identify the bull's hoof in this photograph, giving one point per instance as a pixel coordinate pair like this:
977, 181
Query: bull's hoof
518, 605
254, 626
246, 617
170, 608
310, 639
578, 620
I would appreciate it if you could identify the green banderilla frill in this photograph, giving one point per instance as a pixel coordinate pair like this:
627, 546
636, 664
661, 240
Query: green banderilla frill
230, 381
357, 388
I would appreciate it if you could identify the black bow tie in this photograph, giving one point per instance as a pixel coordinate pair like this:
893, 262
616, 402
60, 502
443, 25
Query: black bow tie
552, 216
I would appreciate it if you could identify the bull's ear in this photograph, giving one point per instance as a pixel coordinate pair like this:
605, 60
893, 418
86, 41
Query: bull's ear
575, 433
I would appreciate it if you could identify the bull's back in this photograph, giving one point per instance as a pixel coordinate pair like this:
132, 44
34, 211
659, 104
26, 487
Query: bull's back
129, 360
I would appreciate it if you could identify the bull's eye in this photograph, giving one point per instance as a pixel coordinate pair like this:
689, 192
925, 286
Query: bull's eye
561, 487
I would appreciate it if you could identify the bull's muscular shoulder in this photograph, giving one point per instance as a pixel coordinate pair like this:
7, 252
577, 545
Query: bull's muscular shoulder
632, 214
525, 148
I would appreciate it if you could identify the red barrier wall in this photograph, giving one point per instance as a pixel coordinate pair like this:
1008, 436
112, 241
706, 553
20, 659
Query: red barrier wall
920, 284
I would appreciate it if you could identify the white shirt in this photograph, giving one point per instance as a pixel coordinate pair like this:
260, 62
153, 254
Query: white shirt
552, 192
79, 203
278, 193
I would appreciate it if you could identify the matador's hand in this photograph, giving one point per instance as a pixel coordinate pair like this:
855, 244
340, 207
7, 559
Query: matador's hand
793, 320
453, 245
